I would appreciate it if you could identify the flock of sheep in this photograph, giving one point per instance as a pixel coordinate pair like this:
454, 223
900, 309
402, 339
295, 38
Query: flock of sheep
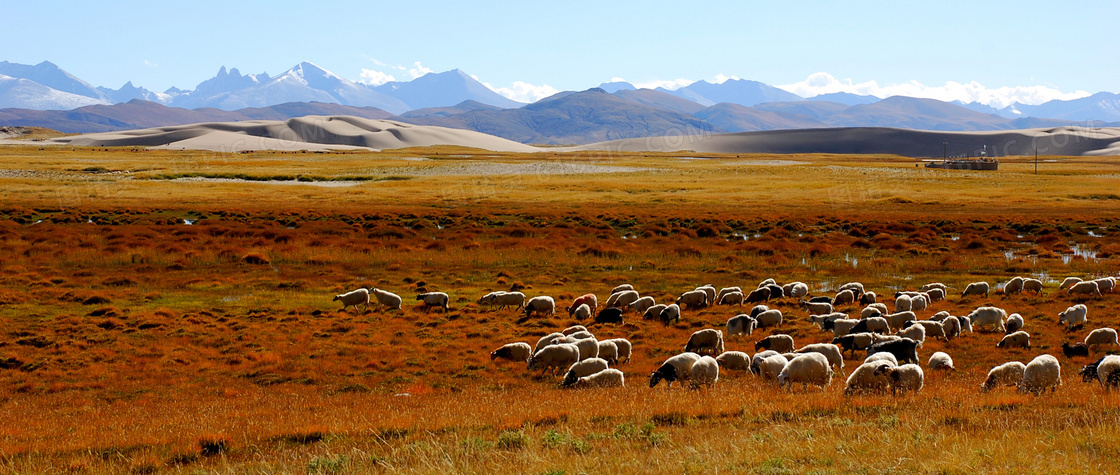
889, 337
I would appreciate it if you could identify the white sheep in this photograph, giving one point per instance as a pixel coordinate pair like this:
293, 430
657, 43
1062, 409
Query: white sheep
844, 297
608, 351
587, 344
989, 316
842, 326
519, 351
693, 299
503, 300
966, 323
821, 319
669, 313
557, 357
914, 332
573, 329
641, 305
976, 288
1014, 323
542, 305
676, 368
1042, 373
1101, 336
353, 298
622, 299
877, 338
1074, 316
1088, 287
771, 367
731, 298
769, 318
623, 348
434, 299
583, 368
952, 326
869, 298
653, 312
869, 377
830, 351
1007, 374
582, 312
855, 287
902, 303
725, 291
579, 335
621, 288
933, 285
386, 298
734, 360
741, 324
1105, 284
1019, 339
758, 357
919, 302
1068, 282
809, 368
797, 290
935, 295
941, 360
874, 309
935, 330
1032, 285
899, 319
882, 357
781, 343
607, 378
939, 316
817, 308
705, 372
709, 291
708, 340
547, 340
1107, 366
1013, 286
767, 282
907, 377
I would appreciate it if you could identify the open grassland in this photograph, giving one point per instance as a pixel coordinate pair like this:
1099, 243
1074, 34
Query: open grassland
170, 311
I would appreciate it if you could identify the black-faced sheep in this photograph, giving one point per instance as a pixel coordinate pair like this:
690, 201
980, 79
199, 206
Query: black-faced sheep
853, 341
705, 372
871, 325
757, 309
776, 291
706, 341
808, 368
868, 299
1105, 368
670, 313
1041, 373
435, 299
839, 326
513, 352
780, 343
353, 298
675, 368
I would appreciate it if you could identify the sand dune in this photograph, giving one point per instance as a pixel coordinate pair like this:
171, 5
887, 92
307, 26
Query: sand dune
877, 140
312, 133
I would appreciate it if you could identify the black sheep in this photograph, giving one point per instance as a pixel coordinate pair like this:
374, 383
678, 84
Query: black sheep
609, 315
904, 350
1077, 349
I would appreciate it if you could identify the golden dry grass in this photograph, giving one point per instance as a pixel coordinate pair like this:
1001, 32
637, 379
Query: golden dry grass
133, 342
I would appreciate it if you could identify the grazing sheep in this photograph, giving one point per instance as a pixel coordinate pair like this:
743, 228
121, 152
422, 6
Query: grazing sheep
758, 295
919, 302
622, 299
976, 288
817, 308
1007, 374
914, 332
731, 298
868, 299
675, 368
488, 298
871, 325
902, 303
939, 316
941, 360
734, 360
908, 377
989, 316
769, 318
1013, 286
583, 368
966, 323
581, 313
757, 309
608, 351
543, 305
952, 326
1014, 323
710, 291
556, 356
607, 378
641, 305
780, 343
795, 290
1069, 282
869, 377
513, 351
705, 372
573, 329
821, 319
855, 287
809, 368
853, 341
840, 326
934, 330
898, 319
387, 298
1089, 372
670, 313
725, 291
776, 291
771, 367
1019, 339
741, 324
758, 357
844, 297
547, 340
882, 357
588, 347
874, 310
577, 334
353, 298
503, 300
905, 350
1105, 284
623, 349
653, 312
1101, 336
622, 288
1074, 316
693, 299
933, 285
877, 338
708, 340
590, 300
830, 351
767, 283
935, 295
1041, 373
1108, 365
609, 315
434, 299
1077, 349
1032, 285
1088, 287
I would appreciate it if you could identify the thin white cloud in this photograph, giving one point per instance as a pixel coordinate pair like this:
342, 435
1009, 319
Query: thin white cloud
151, 64
375, 78
523, 91
616, 79
824, 83
720, 79
672, 84
418, 71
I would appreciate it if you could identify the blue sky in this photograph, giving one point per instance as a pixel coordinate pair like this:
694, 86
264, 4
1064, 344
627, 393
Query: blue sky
576, 44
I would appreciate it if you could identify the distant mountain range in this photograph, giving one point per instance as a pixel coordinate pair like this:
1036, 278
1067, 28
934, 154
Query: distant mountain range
45, 95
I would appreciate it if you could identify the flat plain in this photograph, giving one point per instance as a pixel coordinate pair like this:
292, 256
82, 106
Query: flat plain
170, 311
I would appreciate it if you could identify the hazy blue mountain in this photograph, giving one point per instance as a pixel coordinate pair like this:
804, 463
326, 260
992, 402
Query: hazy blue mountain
811, 110
653, 98
128, 92
442, 90
916, 113
615, 86
1100, 107
737, 118
47, 74
736, 91
845, 98
460, 108
28, 94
